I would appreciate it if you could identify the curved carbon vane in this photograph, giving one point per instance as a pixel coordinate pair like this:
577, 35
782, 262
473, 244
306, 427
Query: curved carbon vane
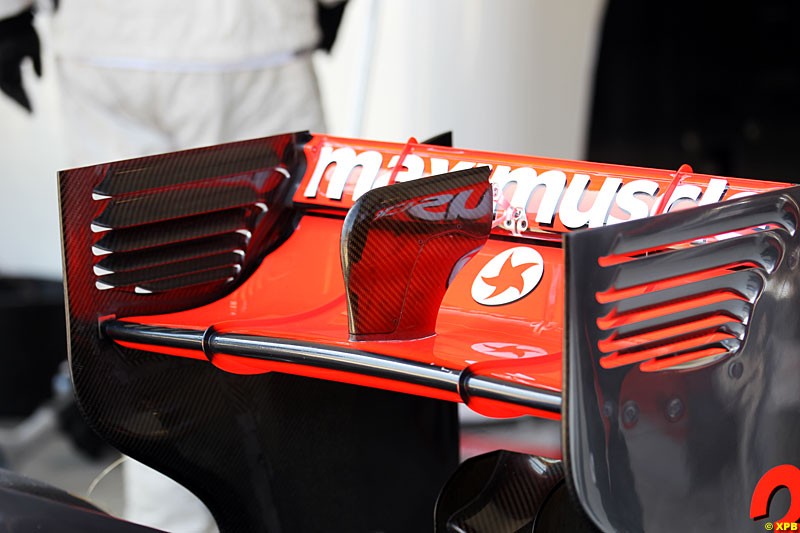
497, 491
682, 363
429, 228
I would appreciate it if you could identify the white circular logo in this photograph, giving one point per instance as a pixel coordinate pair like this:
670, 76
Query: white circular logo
508, 276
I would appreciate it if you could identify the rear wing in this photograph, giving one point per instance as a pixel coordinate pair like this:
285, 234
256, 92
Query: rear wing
227, 269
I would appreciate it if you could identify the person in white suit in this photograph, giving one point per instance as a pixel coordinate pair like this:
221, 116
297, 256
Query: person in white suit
158, 75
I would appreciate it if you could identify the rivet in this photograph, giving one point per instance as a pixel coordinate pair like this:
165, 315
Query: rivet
736, 369
630, 414
674, 410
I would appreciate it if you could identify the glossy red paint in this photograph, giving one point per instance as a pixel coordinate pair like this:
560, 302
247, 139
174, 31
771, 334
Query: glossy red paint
293, 298
298, 291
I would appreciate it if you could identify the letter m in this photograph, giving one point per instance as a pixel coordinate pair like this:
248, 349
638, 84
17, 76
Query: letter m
346, 161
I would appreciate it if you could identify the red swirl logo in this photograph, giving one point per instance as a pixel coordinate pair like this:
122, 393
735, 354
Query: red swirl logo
776, 478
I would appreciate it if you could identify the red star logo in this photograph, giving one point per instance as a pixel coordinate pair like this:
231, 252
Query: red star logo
509, 276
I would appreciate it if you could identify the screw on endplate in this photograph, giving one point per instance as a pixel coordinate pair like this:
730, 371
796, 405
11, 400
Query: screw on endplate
630, 414
736, 369
674, 410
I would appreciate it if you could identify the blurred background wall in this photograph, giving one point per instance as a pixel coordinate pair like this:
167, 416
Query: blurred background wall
510, 75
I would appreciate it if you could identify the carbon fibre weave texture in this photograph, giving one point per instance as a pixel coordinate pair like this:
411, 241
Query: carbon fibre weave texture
498, 491
265, 453
409, 240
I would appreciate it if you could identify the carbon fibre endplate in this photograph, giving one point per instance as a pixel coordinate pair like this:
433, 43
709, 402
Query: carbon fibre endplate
682, 364
269, 452
176, 230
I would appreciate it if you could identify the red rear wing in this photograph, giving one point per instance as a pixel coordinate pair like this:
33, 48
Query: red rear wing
344, 260
499, 325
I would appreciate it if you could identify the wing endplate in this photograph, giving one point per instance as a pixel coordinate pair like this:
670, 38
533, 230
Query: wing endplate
681, 363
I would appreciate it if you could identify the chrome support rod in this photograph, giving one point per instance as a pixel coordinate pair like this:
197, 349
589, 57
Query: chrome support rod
335, 358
